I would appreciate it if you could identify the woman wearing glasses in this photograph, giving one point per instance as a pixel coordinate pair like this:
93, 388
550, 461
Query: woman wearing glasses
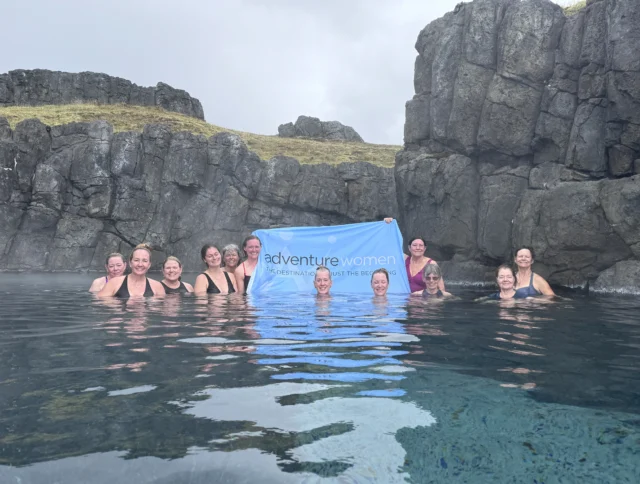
432, 277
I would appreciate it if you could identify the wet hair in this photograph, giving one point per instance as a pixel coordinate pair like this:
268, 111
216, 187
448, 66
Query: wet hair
431, 269
506, 266
142, 246
230, 248
246, 241
320, 269
413, 239
203, 251
382, 270
522, 247
172, 258
114, 254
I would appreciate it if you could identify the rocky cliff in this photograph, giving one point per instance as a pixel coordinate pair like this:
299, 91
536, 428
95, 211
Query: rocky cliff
71, 194
309, 127
525, 129
39, 86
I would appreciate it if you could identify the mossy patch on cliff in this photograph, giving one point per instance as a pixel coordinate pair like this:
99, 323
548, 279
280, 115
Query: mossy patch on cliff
575, 7
133, 118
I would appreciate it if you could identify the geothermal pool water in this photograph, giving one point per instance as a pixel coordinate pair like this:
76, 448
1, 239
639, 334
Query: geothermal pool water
294, 389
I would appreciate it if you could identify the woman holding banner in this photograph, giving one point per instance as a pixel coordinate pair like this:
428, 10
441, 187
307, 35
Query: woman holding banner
251, 247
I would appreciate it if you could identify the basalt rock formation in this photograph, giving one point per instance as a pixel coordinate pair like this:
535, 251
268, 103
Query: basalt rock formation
71, 194
38, 87
525, 130
308, 127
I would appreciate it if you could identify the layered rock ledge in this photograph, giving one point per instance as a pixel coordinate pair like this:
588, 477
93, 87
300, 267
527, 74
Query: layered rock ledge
71, 194
525, 130
40, 87
309, 127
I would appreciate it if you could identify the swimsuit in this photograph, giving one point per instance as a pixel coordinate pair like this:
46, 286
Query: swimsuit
528, 291
213, 289
437, 294
181, 289
247, 278
496, 296
123, 290
415, 282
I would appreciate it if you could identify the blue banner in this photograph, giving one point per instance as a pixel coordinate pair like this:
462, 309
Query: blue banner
290, 256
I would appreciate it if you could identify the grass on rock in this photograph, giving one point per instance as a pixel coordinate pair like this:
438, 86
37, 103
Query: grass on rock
133, 118
575, 7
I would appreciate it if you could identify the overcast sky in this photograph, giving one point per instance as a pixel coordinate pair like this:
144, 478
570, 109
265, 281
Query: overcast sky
254, 64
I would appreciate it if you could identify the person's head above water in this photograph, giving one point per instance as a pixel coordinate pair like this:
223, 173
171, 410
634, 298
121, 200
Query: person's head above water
115, 265
417, 246
431, 275
172, 269
322, 280
524, 257
380, 282
251, 247
140, 259
211, 256
230, 257
505, 278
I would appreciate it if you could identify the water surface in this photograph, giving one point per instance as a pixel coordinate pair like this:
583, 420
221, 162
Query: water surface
299, 389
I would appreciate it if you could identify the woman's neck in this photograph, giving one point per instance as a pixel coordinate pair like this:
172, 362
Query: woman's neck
251, 263
172, 284
524, 274
432, 291
508, 293
137, 278
214, 270
417, 258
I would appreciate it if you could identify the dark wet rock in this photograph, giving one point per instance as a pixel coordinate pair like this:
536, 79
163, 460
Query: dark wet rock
623, 277
39, 87
309, 127
517, 87
70, 196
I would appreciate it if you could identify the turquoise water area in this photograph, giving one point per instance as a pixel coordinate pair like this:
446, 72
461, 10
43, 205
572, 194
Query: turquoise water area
292, 388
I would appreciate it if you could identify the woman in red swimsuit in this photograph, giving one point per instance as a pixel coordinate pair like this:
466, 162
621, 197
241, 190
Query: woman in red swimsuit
251, 247
416, 262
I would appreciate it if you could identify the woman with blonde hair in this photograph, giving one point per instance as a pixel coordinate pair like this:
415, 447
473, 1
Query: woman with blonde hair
137, 283
172, 272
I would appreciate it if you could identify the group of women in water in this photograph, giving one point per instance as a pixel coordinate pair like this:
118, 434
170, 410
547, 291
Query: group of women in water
229, 271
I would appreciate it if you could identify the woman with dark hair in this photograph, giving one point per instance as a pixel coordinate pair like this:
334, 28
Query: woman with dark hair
115, 266
431, 277
214, 280
172, 271
251, 247
231, 257
506, 279
415, 263
380, 282
137, 283
528, 283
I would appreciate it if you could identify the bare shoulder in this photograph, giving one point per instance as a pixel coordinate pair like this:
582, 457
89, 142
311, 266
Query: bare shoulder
541, 285
156, 286
188, 286
97, 284
405, 256
112, 286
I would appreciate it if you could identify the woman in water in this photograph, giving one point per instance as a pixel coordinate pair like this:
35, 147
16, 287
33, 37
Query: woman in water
172, 270
416, 262
431, 277
137, 283
322, 280
506, 279
115, 266
251, 247
528, 283
214, 280
380, 282
230, 257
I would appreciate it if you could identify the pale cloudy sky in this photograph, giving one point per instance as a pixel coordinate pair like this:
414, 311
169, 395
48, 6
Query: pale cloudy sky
254, 64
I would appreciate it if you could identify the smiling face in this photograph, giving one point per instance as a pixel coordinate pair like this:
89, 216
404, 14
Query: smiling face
417, 248
115, 267
524, 259
231, 259
212, 257
505, 279
431, 282
379, 284
322, 282
172, 271
252, 248
140, 262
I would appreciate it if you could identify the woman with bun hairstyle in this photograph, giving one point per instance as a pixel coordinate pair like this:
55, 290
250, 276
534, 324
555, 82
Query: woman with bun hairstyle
172, 272
251, 247
136, 284
116, 265
214, 280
